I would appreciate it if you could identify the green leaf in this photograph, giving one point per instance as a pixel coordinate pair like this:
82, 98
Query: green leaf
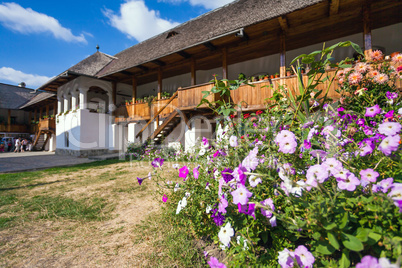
344, 220
362, 234
329, 226
316, 235
325, 248
357, 48
344, 262
352, 242
332, 240
373, 238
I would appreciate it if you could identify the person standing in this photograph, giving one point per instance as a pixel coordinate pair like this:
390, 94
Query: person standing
17, 145
10, 145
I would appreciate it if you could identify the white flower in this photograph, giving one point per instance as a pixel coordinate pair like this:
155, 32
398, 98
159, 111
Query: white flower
400, 111
233, 141
245, 246
209, 208
225, 234
176, 166
177, 187
202, 151
182, 204
254, 181
385, 263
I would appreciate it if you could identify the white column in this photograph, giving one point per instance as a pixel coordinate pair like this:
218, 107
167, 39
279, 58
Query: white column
60, 103
83, 97
191, 135
66, 103
74, 97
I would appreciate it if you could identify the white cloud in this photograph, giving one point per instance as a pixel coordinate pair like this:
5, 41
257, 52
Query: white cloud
26, 21
137, 21
16, 77
208, 4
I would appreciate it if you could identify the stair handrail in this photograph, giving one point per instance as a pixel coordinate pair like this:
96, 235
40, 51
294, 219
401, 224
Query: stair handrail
156, 114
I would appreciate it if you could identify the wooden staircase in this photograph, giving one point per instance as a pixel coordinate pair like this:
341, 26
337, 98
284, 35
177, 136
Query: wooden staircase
165, 128
45, 127
168, 125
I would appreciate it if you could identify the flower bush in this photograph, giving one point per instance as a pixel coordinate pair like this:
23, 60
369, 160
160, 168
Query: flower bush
301, 186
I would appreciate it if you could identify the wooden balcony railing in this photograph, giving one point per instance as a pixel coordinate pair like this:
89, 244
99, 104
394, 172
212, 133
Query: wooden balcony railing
246, 97
190, 97
14, 128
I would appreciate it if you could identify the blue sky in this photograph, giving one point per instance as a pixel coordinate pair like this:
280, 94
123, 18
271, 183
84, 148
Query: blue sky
41, 39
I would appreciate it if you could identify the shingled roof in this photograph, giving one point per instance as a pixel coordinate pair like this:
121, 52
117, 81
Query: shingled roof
13, 97
38, 98
233, 16
92, 64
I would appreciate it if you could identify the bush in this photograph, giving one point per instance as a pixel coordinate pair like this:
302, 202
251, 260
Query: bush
300, 185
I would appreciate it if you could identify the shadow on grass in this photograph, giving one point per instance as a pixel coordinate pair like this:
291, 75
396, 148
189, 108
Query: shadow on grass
11, 181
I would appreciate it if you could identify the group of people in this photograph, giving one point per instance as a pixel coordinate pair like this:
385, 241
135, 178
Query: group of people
20, 145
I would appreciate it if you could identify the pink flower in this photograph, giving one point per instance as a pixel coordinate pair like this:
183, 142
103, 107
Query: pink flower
381, 78
372, 111
316, 173
377, 55
397, 58
355, 78
183, 172
241, 195
196, 172
223, 204
164, 198
361, 67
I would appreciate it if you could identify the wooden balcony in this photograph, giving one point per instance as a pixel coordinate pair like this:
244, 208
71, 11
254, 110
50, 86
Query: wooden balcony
248, 98
48, 124
14, 128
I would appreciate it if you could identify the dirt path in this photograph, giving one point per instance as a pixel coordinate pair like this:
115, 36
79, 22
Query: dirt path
115, 241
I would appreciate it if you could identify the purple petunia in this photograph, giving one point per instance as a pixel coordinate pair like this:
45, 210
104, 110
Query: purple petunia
367, 176
247, 209
214, 263
270, 204
164, 198
241, 195
348, 182
332, 165
389, 144
287, 145
383, 185
157, 162
304, 257
205, 142
372, 111
316, 174
251, 161
389, 128
183, 172
368, 262
140, 180
239, 175
391, 95
227, 174
286, 258
223, 204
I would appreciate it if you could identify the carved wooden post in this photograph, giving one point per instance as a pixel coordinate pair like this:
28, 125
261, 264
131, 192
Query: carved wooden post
193, 72
367, 31
282, 55
225, 63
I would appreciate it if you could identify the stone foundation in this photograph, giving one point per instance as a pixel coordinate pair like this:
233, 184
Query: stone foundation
82, 153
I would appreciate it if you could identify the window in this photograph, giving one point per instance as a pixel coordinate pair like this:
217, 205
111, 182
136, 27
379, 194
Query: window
66, 140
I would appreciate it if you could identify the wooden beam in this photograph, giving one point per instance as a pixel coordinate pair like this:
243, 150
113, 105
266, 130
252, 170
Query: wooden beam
283, 22
126, 73
367, 31
134, 94
159, 83
184, 54
158, 62
142, 68
114, 95
47, 110
333, 7
193, 73
282, 54
225, 63
9, 121
40, 112
210, 46
55, 107
186, 121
